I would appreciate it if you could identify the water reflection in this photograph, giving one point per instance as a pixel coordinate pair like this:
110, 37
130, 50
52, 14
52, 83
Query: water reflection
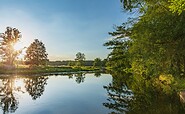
9, 103
35, 86
97, 74
80, 78
9, 86
118, 93
127, 95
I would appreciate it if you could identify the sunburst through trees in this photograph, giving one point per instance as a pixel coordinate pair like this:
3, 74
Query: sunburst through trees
8, 39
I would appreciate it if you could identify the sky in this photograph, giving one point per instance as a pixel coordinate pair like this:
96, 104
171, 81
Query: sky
64, 26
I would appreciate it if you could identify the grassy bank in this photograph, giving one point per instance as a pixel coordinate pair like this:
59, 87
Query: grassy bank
38, 70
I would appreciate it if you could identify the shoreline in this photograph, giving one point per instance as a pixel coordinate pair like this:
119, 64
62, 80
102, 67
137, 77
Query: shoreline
49, 71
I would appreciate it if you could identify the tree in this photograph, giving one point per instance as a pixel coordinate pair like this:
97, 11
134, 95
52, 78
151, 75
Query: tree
9, 38
97, 62
36, 53
153, 46
118, 59
80, 58
71, 63
129, 5
156, 42
177, 6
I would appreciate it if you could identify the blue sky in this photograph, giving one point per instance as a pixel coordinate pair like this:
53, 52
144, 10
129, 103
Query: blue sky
64, 26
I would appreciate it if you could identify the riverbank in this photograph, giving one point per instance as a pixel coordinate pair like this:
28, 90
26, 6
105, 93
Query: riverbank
48, 70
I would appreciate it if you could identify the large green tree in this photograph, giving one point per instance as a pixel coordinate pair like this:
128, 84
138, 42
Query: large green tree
150, 48
9, 39
36, 53
152, 43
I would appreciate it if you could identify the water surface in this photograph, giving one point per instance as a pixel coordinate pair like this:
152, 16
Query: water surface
73, 94
85, 94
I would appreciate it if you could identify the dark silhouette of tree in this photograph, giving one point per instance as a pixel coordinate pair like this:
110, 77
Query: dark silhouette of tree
36, 54
8, 90
118, 96
8, 102
97, 74
130, 95
35, 86
80, 77
131, 5
70, 76
9, 38
80, 58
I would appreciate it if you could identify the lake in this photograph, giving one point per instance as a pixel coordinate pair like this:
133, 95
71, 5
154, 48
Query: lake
91, 93
61, 94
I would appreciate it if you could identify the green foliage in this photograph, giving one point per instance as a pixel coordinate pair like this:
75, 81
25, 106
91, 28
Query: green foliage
150, 48
165, 83
151, 44
118, 59
36, 54
97, 62
129, 5
80, 58
177, 6
149, 55
71, 63
136, 95
7, 51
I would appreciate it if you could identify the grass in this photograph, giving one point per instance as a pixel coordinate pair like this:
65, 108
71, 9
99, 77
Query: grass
23, 69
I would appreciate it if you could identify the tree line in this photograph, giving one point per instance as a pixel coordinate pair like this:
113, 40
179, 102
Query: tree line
36, 54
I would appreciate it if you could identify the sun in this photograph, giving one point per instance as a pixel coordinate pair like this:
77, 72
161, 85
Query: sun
18, 46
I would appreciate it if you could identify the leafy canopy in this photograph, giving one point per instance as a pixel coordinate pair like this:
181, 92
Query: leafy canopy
36, 53
8, 39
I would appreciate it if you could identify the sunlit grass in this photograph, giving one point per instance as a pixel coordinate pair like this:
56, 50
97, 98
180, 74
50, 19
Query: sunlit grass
25, 69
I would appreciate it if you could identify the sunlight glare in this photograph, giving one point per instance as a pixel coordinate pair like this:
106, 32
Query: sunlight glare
18, 46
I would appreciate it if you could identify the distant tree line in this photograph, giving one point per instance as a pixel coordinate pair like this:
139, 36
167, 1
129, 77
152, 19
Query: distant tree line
73, 63
36, 54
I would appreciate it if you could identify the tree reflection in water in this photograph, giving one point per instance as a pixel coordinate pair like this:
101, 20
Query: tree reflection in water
35, 86
9, 86
118, 95
80, 77
147, 98
9, 103
70, 76
97, 74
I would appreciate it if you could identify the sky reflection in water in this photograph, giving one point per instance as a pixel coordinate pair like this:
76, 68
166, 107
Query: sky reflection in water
73, 94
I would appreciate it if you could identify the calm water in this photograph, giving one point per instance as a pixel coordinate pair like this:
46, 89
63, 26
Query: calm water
84, 94
73, 94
